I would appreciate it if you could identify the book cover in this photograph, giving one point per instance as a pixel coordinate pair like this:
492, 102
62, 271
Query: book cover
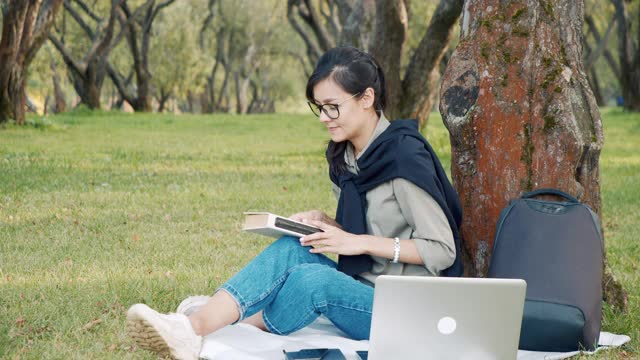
273, 225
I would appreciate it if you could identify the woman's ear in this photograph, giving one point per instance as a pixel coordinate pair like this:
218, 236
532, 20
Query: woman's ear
368, 98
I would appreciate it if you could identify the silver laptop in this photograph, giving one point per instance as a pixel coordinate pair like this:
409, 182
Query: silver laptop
417, 317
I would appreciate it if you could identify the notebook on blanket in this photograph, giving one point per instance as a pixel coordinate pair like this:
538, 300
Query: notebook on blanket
446, 318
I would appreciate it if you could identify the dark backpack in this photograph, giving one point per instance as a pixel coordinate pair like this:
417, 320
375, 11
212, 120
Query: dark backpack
557, 248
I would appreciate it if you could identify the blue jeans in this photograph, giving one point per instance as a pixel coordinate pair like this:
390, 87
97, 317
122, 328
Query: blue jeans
293, 287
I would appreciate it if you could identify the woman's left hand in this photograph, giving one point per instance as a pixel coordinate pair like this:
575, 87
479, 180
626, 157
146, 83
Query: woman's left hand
333, 240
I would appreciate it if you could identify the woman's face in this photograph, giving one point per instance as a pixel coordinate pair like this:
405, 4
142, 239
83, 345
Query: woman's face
354, 115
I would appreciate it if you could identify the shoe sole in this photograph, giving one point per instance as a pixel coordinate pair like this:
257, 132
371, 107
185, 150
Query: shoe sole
148, 338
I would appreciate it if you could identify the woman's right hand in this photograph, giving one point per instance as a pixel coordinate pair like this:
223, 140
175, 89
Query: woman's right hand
314, 215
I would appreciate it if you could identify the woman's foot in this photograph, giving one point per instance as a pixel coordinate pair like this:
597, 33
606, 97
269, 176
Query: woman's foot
168, 335
192, 303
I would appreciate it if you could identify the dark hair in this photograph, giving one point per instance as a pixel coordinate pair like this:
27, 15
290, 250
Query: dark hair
354, 71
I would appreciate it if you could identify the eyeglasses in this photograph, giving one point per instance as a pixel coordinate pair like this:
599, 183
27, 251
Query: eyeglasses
331, 110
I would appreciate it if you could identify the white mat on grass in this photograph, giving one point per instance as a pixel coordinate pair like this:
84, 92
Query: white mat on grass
245, 342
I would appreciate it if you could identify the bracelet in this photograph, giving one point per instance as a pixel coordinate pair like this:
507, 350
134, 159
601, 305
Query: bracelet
396, 250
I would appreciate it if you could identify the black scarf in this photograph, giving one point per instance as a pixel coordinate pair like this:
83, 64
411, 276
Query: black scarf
399, 152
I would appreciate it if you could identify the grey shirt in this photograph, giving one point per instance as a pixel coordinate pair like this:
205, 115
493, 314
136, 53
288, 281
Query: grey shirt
399, 208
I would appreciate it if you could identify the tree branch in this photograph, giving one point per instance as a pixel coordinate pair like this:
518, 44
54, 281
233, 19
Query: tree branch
102, 46
43, 25
312, 19
607, 54
205, 24
328, 11
76, 67
25, 37
312, 48
303, 62
87, 29
160, 7
117, 80
601, 42
86, 9
426, 58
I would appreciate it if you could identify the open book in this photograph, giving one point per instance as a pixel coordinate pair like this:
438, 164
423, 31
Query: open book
273, 225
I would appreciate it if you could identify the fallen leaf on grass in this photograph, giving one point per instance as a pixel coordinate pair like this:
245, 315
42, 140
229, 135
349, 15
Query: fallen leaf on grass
135, 237
112, 347
91, 324
20, 321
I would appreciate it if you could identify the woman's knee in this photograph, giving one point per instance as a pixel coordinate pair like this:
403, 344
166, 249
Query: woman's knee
286, 242
312, 279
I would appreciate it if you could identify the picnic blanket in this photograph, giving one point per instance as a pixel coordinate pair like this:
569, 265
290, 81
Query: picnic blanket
246, 342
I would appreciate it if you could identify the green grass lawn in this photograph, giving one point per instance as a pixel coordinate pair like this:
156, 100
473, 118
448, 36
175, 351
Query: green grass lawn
100, 211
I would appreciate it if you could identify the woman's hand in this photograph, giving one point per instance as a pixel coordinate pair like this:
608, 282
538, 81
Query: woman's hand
313, 215
333, 240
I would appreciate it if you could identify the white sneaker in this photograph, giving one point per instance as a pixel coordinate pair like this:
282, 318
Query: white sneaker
168, 335
191, 304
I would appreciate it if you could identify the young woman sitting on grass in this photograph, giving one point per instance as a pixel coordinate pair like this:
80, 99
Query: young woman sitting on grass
397, 215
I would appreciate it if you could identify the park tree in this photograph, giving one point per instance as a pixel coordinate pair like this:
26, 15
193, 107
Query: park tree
598, 33
250, 47
138, 25
608, 24
88, 73
521, 115
25, 25
382, 28
629, 51
176, 61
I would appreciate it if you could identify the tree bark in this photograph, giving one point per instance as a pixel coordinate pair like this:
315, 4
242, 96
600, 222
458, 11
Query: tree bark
520, 113
358, 25
25, 25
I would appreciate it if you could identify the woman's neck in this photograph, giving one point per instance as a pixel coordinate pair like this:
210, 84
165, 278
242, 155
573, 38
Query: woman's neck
360, 142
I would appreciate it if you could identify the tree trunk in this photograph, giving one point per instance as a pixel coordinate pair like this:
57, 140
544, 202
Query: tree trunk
592, 76
13, 101
191, 99
391, 27
164, 97
359, 25
242, 98
629, 55
519, 111
25, 25
59, 103
88, 74
138, 25
88, 85
422, 77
